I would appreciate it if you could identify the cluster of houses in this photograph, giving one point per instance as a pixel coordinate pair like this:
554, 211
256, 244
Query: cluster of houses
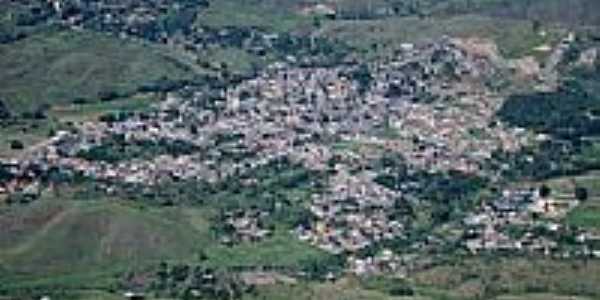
351, 215
520, 220
21, 178
246, 226
432, 110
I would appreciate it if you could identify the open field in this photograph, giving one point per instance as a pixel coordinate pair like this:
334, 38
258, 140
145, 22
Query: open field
91, 111
278, 15
344, 289
81, 243
281, 250
540, 297
586, 216
27, 132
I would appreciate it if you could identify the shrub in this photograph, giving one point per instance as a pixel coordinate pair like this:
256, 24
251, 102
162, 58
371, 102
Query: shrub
16, 145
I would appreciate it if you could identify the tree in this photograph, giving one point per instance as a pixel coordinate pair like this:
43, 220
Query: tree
581, 193
545, 191
317, 22
4, 111
536, 25
362, 76
194, 129
5, 174
16, 145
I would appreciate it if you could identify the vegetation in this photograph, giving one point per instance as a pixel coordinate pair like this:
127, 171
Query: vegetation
448, 195
116, 149
84, 244
270, 14
17, 22
489, 277
585, 217
568, 116
376, 38
58, 67
81, 240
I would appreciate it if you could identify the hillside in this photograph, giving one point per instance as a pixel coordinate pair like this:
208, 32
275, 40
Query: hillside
300, 149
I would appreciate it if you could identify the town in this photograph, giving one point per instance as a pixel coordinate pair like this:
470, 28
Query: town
432, 105
299, 149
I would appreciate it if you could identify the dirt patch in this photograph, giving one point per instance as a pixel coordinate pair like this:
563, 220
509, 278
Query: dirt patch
265, 278
525, 68
479, 47
588, 58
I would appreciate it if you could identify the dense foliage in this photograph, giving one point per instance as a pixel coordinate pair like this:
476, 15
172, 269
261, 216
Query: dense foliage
570, 113
570, 117
116, 149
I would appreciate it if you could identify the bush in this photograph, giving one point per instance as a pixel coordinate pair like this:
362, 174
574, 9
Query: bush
16, 145
108, 95
581, 193
545, 191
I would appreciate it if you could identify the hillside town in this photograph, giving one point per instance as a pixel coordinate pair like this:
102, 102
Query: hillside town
433, 105
299, 149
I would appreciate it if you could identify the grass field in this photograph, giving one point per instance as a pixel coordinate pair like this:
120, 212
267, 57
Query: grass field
345, 289
587, 214
26, 131
281, 250
277, 15
91, 111
540, 297
495, 276
57, 67
81, 243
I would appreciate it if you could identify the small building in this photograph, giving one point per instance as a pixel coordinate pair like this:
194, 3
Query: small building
134, 296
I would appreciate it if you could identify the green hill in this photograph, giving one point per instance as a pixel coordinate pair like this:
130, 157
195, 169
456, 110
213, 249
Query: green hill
77, 241
59, 66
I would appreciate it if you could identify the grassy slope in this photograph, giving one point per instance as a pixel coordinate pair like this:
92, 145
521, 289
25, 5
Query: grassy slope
281, 250
28, 132
515, 275
84, 243
79, 243
277, 15
57, 67
572, 12
586, 216
347, 290
514, 38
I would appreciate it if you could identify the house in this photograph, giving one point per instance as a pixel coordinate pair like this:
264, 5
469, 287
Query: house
134, 296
